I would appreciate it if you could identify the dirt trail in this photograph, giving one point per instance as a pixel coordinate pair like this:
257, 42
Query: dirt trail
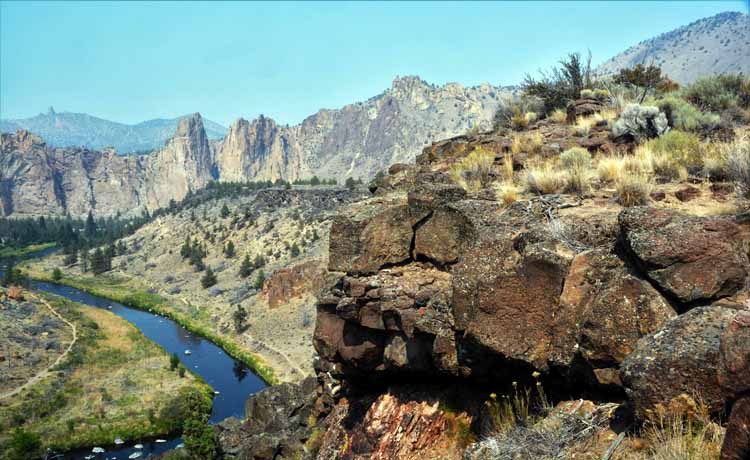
41, 375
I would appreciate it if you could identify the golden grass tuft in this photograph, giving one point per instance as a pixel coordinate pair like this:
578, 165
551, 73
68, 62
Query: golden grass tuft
507, 193
559, 116
474, 171
577, 164
583, 126
633, 189
529, 143
545, 179
609, 169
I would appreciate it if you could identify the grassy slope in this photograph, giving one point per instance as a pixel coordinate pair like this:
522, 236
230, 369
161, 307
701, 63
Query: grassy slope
128, 292
20, 252
115, 383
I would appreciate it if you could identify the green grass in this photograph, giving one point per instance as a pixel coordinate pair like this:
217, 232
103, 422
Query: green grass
20, 252
118, 291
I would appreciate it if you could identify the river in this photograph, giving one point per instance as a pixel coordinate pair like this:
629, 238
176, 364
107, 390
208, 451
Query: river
232, 381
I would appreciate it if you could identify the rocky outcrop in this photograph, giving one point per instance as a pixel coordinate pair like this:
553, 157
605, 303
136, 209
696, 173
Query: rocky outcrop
737, 438
680, 359
690, 258
584, 107
298, 280
279, 420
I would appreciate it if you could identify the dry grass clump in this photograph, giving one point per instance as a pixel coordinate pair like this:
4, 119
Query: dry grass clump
583, 126
507, 193
530, 143
738, 165
577, 164
474, 171
607, 115
519, 121
633, 189
544, 179
558, 116
679, 433
609, 169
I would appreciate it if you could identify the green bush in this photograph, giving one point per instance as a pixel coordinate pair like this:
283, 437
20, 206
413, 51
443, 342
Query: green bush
576, 158
720, 92
684, 116
683, 148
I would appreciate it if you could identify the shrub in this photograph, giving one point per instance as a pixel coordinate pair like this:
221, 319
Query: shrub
633, 189
562, 84
645, 78
473, 172
738, 165
640, 122
57, 274
577, 163
544, 180
519, 121
583, 126
685, 116
719, 92
23, 445
516, 106
684, 149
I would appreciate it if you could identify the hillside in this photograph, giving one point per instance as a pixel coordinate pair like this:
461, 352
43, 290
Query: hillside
718, 44
68, 129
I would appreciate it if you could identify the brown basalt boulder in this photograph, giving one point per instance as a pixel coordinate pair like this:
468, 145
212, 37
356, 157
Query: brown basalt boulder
692, 258
734, 371
506, 300
372, 235
583, 108
688, 193
444, 237
606, 310
681, 359
737, 438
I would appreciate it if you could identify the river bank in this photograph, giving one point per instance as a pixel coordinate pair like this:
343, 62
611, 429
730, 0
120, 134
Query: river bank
127, 292
7, 252
113, 383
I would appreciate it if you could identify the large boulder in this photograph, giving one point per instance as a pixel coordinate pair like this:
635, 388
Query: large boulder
505, 299
372, 235
606, 309
734, 372
681, 359
691, 258
277, 424
583, 107
737, 438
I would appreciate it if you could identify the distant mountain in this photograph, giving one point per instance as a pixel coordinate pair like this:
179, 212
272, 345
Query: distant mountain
68, 129
718, 44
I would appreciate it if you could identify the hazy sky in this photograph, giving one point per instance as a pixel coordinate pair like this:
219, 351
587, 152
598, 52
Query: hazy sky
134, 61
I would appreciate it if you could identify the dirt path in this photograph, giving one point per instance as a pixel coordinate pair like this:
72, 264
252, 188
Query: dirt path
41, 375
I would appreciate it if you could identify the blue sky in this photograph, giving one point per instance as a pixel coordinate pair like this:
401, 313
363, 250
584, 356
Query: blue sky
130, 62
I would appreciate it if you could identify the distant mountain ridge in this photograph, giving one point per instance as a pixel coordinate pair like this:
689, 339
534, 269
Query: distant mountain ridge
69, 129
713, 45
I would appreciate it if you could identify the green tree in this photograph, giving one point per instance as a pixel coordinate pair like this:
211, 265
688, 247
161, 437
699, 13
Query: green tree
84, 258
57, 274
186, 249
208, 279
229, 251
646, 78
224, 211
90, 228
246, 268
199, 437
295, 250
24, 445
239, 317
260, 278
100, 262
181, 371
174, 361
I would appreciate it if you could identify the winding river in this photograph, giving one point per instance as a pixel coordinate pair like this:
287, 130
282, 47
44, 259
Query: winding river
231, 380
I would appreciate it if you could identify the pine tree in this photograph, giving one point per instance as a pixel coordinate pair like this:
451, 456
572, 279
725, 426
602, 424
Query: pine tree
259, 280
295, 250
208, 279
224, 211
229, 250
84, 257
239, 317
246, 268
186, 250
90, 229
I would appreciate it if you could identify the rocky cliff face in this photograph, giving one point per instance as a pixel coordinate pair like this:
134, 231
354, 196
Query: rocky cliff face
356, 141
40, 180
719, 44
